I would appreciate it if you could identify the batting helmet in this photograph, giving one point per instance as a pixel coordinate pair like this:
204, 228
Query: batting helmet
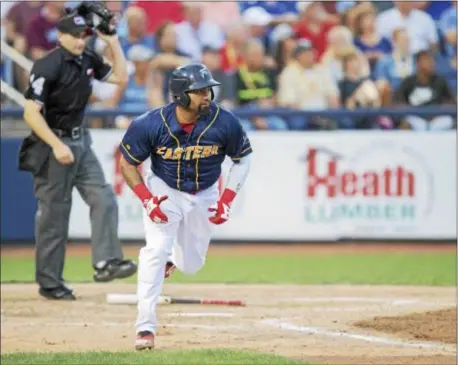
188, 78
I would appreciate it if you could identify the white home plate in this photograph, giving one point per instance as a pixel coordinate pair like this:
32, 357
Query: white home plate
200, 314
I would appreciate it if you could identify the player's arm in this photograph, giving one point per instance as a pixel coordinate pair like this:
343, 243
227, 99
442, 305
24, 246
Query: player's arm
115, 73
239, 150
42, 76
136, 147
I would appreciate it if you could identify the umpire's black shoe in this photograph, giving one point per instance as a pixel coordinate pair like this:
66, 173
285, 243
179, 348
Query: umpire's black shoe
59, 293
114, 269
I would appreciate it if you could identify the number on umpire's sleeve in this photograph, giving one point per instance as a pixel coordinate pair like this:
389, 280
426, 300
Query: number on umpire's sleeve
37, 85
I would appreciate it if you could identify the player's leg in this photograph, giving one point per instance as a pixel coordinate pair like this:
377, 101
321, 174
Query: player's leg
107, 255
194, 233
152, 259
53, 190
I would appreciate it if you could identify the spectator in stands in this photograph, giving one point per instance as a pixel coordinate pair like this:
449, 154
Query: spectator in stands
224, 94
134, 95
447, 26
167, 59
426, 88
280, 11
17, 20
434, 8
368, 40
392, 69
258, 21
341, 42
232, 51
256, 88
305, 84
420, 26
136, 30
41, 34
312, 25
357, 91
160, 12
220, 13
193, 33
351, 11
284, 42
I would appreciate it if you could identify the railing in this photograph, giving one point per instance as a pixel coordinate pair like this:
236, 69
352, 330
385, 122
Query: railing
16, 112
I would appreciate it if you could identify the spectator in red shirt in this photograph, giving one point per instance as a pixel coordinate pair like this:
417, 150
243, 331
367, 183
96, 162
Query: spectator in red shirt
160, 12
41, 34
18, 18
313, 26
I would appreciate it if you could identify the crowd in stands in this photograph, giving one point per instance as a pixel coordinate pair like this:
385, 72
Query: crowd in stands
315, 55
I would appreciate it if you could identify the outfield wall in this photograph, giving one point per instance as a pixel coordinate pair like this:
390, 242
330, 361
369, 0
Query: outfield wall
302, 187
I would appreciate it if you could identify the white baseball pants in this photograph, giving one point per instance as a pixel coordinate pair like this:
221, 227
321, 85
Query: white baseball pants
184, 240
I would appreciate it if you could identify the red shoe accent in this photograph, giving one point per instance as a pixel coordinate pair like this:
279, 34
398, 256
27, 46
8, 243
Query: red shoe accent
169, 269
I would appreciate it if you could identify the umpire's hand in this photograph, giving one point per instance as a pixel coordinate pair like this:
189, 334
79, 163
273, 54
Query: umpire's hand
63, 154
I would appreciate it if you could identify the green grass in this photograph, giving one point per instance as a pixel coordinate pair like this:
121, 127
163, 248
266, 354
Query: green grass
156, 357
387, 268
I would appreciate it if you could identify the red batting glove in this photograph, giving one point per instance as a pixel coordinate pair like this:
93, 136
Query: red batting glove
151, 203
222, 207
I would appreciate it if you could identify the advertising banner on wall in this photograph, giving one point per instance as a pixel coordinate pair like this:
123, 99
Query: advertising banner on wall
319, 186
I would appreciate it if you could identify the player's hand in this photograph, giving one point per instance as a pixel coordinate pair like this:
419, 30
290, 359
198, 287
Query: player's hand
222, 208
153, 209
63, 154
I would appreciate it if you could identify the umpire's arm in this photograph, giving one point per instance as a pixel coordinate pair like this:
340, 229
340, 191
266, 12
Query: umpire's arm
42, 76
117, 73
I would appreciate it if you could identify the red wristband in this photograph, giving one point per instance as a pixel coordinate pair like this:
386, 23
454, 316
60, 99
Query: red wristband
142, 192
228, 196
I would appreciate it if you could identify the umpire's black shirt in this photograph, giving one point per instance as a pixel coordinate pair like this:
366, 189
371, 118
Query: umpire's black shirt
62, 83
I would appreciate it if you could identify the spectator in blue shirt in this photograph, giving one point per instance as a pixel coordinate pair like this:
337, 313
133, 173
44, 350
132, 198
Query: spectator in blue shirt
281, 11
136, 30
372, 44
393, 68
435, 8
135, 95
447, 26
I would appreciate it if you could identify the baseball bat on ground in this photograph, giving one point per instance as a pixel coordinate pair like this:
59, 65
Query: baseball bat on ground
132, 299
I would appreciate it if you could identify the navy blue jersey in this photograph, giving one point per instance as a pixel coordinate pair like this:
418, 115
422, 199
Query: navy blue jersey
186, 162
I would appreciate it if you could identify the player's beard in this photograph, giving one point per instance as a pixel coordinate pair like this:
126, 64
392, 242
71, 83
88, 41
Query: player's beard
204, 110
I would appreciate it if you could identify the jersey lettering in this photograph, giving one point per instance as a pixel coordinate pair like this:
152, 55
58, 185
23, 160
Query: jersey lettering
187, 153
37, 85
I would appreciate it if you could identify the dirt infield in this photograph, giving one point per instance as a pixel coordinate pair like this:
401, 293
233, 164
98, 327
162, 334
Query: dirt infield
314, 323
330, 324
435, 326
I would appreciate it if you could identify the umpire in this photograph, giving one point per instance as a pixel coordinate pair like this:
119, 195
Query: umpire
58, 154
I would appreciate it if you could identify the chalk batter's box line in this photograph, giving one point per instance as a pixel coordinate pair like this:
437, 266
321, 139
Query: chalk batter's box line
355, 336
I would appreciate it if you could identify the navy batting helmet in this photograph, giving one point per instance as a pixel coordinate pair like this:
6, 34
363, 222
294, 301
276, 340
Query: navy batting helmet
188, 78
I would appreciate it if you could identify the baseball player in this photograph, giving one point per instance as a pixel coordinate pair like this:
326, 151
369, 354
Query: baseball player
187, 141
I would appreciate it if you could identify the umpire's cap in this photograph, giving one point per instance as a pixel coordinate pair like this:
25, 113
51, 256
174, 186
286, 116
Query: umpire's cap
187, 78
73, 24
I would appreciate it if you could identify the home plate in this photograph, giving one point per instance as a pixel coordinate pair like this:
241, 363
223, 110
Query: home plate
200, 314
